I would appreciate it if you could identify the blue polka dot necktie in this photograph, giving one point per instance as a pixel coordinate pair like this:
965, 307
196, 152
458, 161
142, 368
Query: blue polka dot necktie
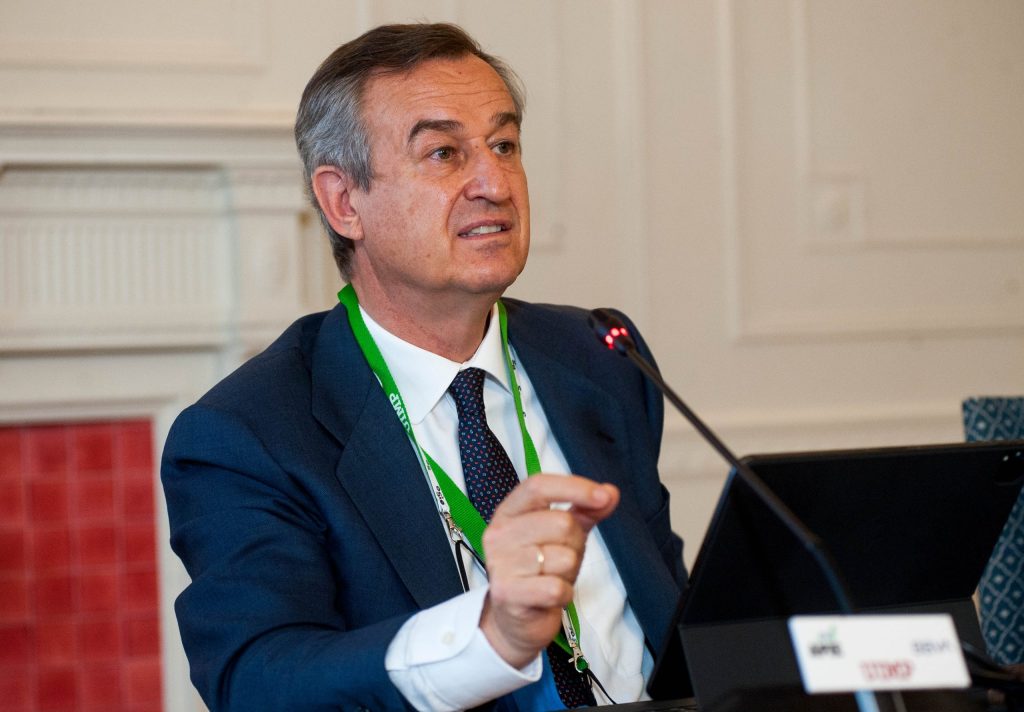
490, 476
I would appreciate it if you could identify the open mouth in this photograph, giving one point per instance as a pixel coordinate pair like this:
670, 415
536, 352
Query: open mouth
484, 230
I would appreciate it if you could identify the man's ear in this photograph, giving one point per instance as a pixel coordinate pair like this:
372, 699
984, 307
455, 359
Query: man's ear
332, 188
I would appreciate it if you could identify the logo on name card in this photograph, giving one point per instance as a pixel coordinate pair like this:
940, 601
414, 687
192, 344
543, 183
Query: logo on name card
827, 643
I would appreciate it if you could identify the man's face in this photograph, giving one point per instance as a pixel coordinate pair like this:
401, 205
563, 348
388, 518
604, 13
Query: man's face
448, 213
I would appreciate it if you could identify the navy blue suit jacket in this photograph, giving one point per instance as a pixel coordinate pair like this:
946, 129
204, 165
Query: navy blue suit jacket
302, 515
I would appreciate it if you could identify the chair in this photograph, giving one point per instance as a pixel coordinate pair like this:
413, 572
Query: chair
1001, 589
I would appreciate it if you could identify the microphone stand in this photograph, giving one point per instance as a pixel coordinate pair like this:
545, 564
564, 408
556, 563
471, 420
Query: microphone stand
612, 332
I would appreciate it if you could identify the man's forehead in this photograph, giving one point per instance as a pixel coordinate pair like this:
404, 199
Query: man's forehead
432, 88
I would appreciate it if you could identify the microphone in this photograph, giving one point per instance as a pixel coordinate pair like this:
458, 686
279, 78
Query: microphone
614, 334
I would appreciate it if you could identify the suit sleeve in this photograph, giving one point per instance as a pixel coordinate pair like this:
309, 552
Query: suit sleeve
259, 621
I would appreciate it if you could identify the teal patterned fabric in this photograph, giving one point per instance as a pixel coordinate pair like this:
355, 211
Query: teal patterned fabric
1001, 589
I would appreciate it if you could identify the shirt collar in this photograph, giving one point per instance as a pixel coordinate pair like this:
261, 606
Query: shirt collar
423, 377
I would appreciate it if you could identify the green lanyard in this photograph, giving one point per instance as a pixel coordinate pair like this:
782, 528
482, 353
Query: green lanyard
463, 518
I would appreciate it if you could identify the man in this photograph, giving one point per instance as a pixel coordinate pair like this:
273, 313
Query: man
316, 494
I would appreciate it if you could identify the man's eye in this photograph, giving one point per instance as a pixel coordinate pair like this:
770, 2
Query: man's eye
445, 153
505, 148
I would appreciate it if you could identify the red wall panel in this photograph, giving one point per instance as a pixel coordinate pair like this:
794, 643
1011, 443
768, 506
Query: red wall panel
79, 603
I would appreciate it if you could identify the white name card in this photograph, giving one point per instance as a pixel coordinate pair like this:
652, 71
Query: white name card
878, 652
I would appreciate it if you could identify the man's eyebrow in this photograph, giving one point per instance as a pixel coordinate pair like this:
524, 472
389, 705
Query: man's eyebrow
440, 125
502, 118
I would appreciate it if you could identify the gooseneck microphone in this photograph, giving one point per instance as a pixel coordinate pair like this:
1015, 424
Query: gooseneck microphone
614, 334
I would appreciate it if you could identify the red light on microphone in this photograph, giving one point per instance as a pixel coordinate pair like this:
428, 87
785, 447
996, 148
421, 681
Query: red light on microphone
610, 329
614, 334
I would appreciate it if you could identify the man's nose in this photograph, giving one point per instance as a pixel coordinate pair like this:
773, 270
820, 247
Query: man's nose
488, 176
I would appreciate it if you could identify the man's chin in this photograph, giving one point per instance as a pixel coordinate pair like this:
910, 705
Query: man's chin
491, 282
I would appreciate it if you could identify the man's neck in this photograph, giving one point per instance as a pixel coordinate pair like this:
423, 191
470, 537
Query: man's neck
450, 328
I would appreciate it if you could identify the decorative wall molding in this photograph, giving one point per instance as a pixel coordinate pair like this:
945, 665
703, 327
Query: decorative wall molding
832, 199
97, 190
751, 431
810, 325
152, 237
730, 168
169, 140
216, 35
629, 111
809, 260
74, 282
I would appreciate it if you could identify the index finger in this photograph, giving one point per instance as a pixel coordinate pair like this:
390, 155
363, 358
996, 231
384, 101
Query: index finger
586, 497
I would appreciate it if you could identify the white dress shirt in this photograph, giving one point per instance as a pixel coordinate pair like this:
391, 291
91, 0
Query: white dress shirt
440, 659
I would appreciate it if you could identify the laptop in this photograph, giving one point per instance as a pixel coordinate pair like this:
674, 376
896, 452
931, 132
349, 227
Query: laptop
910, 528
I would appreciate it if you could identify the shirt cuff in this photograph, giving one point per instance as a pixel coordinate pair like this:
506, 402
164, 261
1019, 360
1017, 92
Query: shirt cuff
441, 660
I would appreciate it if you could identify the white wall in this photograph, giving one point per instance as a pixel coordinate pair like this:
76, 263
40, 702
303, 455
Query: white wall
811, 207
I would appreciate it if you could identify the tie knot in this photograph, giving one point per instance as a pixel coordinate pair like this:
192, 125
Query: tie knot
468, 391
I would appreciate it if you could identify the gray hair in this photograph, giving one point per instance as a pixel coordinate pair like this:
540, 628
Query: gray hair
330, 127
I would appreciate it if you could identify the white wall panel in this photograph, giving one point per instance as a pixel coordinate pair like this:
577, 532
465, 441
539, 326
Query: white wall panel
891, 130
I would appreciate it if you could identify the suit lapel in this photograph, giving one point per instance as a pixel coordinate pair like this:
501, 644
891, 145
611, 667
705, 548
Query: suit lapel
378, 468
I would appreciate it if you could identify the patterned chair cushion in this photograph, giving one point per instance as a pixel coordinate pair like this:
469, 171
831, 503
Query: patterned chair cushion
1001, 589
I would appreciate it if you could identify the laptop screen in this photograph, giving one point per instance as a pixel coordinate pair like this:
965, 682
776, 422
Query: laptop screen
910, 528
906, 526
